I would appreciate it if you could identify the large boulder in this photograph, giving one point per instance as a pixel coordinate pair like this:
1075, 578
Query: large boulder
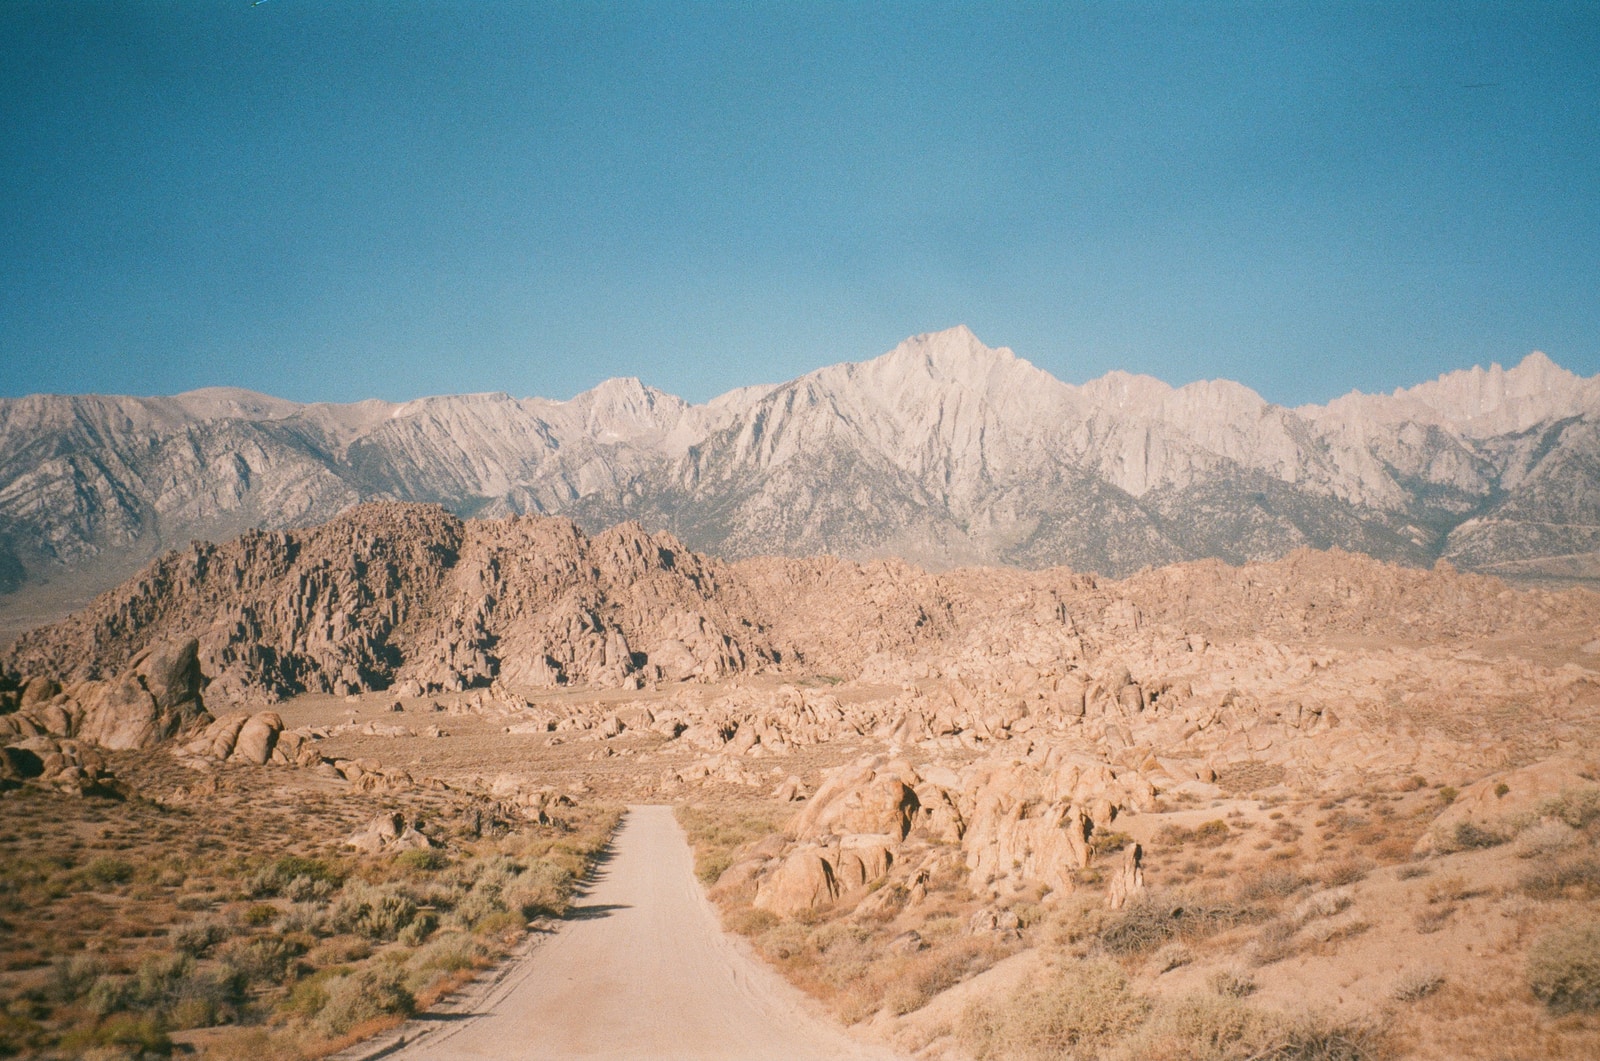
257, 737
156, 697
803, 881
871, 796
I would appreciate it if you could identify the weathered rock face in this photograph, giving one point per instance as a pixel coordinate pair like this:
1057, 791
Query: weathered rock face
158, 696
389, 834
870, 797
69, 765
407, 593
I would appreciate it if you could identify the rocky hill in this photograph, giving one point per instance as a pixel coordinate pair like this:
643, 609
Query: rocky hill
393, 594
942, 452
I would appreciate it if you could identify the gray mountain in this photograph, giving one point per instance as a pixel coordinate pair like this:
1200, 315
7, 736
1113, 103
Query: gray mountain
942, 451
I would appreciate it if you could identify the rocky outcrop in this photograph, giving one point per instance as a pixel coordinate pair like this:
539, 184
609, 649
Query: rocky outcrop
158, 695
408, 594
154, 698
389, 834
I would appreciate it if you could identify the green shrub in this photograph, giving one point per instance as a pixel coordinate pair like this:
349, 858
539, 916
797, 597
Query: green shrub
420, 928
109, 871
450, 953
1469, 836
303, 876
260, 914
376, 990
1564, 967
421, 860
72, 978
139, 1035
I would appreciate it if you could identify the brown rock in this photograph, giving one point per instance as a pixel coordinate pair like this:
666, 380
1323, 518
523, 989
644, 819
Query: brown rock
803, 881
257, 737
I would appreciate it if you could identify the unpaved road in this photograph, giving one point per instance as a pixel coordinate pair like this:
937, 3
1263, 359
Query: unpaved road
643, 971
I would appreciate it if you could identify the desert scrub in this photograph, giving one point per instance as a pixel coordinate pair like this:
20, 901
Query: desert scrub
375, 991
1154, 920
1564, 967
1076, 1010
1201, 1028
377, 912
717, 832
1569, 878
1577, 808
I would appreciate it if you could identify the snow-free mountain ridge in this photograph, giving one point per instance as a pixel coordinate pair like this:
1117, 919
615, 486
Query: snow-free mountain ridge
943, 451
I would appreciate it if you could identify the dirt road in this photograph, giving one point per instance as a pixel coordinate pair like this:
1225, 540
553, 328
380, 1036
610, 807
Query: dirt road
643, 971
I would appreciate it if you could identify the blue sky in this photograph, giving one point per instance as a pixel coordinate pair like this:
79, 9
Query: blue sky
331, 201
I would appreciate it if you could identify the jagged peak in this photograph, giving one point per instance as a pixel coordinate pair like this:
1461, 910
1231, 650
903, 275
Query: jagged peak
1478, 399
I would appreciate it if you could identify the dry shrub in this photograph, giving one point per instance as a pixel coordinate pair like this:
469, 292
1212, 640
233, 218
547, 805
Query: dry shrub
1270, 884
939, 969
717, 833
1564, 967
1153, 920
1277, 940
1432, 919
1546, 838
1205, 1029
1076, 1010
377, 912
1571, 878
1577, 808
1345, 872
1416, 985
1231, 983
371, 992
196, 938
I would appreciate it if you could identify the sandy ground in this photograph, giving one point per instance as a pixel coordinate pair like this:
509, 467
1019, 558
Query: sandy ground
643, 971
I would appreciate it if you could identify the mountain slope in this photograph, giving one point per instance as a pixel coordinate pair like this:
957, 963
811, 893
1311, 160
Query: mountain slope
943, 451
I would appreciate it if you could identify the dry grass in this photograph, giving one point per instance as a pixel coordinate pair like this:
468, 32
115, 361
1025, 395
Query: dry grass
129, 921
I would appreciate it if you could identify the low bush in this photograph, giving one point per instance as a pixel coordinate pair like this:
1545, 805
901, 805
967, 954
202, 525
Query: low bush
1564, 967
1572, 878
1577, 808
376, 912
196, 938
1076, 1010
374, 991
1151, 921
107, 871
1200, 1028
1469, 836
450, 953
543, 889
1415, 986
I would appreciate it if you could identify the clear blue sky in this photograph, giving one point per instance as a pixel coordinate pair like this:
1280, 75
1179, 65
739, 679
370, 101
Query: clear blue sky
335, 199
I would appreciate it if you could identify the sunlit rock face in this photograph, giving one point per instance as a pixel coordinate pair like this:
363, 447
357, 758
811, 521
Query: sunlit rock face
942, 451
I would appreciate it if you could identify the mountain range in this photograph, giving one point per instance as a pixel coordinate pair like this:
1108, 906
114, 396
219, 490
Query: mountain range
942, 451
